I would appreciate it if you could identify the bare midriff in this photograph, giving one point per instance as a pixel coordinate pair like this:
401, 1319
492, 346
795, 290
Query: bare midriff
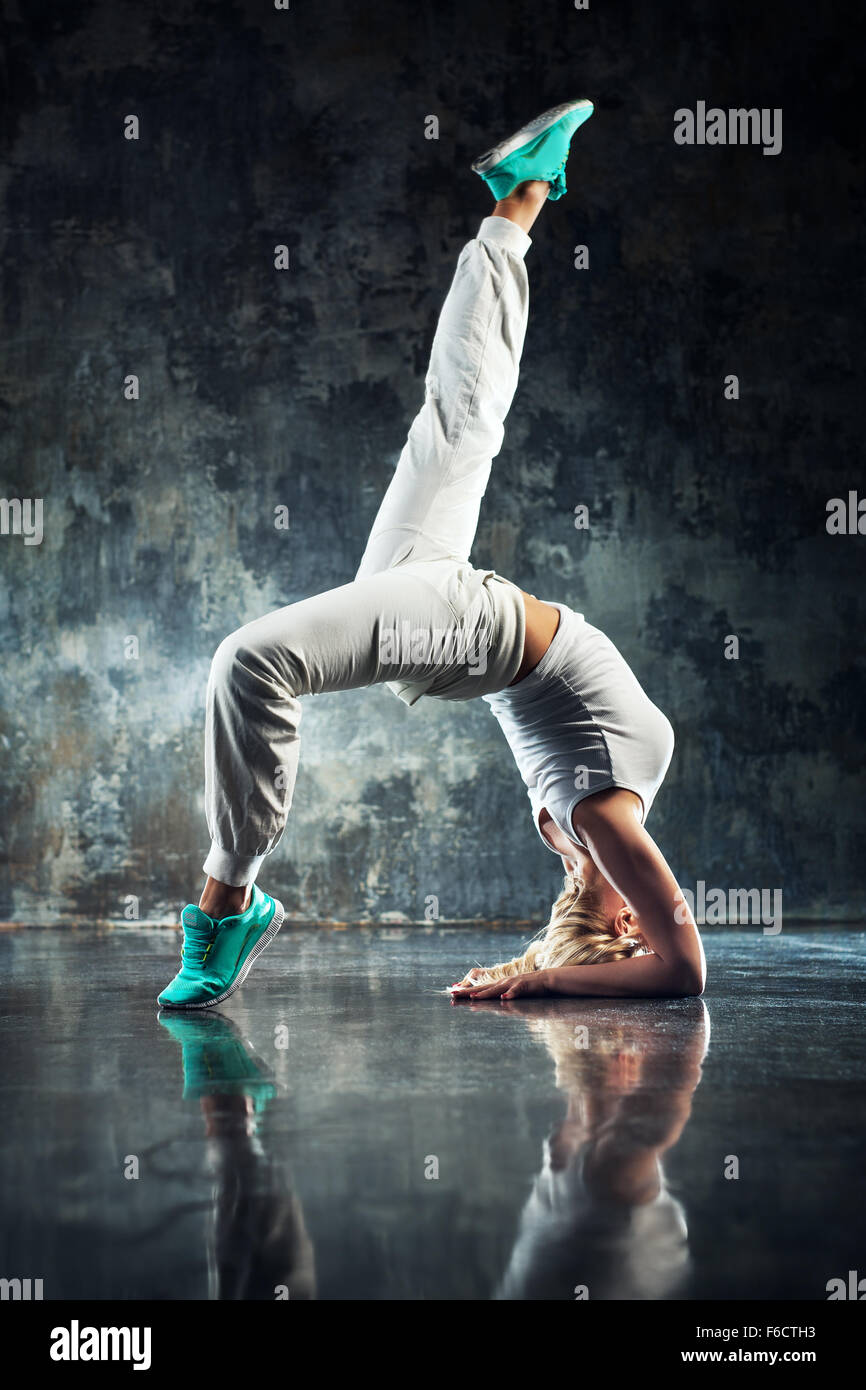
542, 621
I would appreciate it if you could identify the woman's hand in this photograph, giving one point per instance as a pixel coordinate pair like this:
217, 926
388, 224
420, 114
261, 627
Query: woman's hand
470, 978
534, 983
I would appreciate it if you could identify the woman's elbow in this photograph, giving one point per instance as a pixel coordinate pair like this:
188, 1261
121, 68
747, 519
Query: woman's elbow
690, 979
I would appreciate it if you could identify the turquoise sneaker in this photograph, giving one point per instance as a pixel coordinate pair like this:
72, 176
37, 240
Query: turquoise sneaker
537, 150
216, 956
218, 1060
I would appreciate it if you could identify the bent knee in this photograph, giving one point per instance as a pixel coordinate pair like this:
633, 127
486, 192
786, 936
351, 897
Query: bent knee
244, 659
230, 653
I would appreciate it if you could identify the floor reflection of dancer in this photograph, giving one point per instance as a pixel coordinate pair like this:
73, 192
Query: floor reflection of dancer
259, 1247
600, 1216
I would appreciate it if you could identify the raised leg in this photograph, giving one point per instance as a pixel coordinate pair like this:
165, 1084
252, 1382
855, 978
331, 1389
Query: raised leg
431, 507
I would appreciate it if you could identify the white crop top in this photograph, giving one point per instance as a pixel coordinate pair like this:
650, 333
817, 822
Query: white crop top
581, 722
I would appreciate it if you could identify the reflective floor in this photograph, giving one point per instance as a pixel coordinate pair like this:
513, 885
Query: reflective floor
340, 1130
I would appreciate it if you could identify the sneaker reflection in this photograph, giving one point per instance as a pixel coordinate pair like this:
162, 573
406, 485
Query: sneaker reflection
258, 1246
600, 1221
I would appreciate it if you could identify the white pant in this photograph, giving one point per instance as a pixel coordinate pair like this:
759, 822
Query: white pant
418, 615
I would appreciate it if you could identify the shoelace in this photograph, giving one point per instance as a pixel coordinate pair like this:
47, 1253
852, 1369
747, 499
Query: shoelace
197, 941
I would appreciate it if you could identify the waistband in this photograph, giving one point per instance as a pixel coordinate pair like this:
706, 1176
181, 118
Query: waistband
526, 689
494, 618
498, 620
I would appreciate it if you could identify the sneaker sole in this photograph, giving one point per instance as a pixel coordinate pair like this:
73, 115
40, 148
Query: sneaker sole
264, 941
485, 162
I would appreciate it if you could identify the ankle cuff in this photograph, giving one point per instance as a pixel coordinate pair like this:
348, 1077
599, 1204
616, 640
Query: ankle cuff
235, 869
506, 233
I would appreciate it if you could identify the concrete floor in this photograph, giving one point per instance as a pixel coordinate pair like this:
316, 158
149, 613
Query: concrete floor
340, 1130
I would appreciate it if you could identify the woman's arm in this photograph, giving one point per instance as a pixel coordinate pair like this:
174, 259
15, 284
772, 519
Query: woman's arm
633, 978
633, 863
636, 977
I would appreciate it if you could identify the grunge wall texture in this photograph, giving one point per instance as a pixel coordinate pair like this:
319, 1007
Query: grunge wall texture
262, 388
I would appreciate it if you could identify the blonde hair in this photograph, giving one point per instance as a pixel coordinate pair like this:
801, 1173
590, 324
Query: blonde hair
579, 932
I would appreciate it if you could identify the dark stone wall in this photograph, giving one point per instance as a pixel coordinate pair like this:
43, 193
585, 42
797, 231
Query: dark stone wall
262, 388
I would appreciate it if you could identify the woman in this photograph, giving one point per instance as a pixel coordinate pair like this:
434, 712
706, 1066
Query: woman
422, 619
